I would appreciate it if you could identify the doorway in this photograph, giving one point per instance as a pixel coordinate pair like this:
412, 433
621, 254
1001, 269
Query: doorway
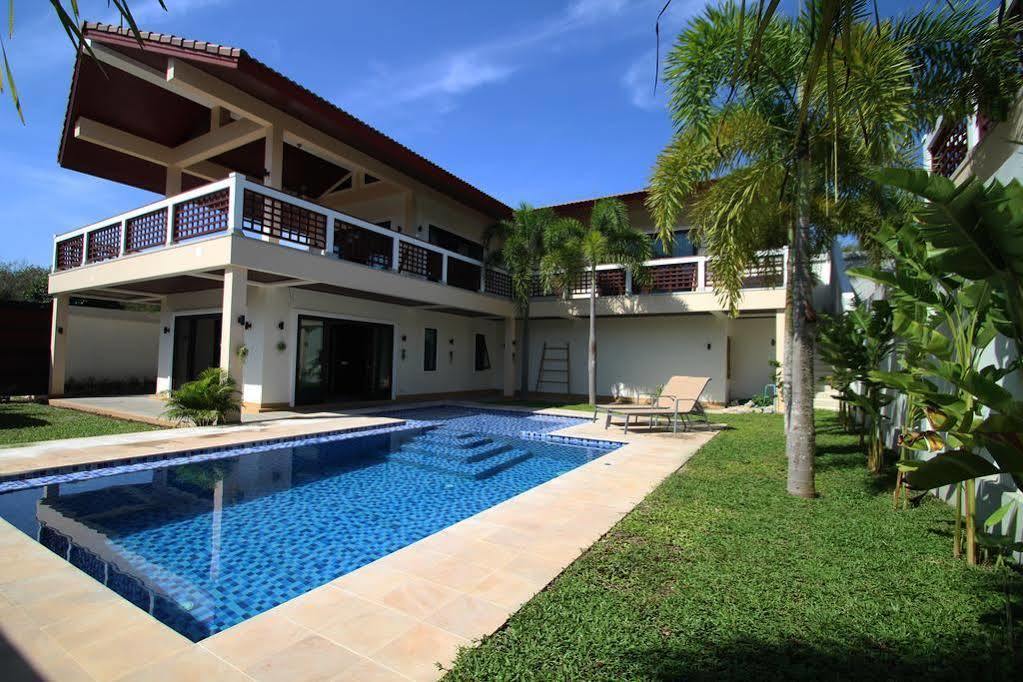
196, 347
342, 361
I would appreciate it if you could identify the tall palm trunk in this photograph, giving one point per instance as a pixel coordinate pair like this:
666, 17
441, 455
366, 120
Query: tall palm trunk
592, 359
799, 428
524, 355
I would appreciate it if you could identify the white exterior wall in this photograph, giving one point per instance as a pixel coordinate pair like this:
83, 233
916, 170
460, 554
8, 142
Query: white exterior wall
753, 350
269, 373
637, 354
111, 345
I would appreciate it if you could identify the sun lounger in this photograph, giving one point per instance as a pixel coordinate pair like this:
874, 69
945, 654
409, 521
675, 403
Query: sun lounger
679, 399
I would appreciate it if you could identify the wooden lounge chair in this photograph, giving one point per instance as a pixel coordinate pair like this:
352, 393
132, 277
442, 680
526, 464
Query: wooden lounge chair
679, 399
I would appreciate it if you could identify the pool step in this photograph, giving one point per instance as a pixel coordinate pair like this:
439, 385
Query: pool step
474, 454
457, 440
477, 469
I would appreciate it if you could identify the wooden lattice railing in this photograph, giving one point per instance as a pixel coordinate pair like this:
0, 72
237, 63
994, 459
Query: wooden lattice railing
671, 278
283, 220
463, 274
359, 245
949, 148
420, 262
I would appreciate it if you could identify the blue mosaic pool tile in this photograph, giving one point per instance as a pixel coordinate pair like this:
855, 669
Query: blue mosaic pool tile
207, 539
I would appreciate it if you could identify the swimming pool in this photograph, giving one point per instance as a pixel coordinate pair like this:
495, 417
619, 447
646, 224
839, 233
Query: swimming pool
223, 535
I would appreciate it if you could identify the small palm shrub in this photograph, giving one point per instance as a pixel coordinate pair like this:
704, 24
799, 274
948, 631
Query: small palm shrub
205, 401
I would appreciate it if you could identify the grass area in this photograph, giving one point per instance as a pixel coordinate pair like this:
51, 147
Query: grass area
720, 574
22, 423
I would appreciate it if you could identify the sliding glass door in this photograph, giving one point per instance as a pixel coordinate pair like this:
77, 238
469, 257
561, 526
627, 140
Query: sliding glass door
342, 361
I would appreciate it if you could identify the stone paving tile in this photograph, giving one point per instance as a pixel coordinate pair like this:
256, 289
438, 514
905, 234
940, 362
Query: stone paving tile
394, 619
418, 653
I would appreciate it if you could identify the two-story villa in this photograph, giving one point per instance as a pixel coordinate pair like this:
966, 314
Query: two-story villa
318, 260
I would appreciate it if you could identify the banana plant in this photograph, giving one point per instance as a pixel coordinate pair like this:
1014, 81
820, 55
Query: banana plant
955, 285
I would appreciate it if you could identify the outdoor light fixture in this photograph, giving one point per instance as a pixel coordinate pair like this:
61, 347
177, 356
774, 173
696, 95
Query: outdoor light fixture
60, 330
166, 330
403, 337
708, 346
451, 342
245, 323
280, 325
772, 342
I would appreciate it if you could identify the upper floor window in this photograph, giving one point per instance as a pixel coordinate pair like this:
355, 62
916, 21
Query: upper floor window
455, 242
680, 248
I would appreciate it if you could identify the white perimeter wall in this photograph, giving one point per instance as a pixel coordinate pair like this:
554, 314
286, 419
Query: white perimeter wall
269, 373
111, 345
637, 354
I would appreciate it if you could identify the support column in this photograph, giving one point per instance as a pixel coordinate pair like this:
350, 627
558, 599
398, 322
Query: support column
273, 158
58, 345
779, 350
173, 183
232, 332
165, 347
509, 357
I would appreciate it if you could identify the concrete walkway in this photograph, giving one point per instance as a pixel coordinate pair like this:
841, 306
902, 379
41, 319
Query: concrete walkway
149, 409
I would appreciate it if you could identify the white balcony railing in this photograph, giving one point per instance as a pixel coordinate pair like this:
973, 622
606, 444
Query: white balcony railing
674, 275
239, 206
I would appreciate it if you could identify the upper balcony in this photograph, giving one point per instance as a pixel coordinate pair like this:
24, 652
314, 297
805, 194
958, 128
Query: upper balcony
673, 285
240, 222
146, 253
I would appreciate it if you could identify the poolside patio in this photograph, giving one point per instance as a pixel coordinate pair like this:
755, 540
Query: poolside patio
397, 618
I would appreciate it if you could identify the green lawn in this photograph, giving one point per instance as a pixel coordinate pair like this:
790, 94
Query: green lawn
22, 423
720, 574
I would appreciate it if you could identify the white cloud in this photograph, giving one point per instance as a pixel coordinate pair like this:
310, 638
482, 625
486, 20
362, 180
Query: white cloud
438, 83
638, 81
638, 78
595, 9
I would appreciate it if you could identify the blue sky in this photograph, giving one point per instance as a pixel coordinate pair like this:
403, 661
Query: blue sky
537, 100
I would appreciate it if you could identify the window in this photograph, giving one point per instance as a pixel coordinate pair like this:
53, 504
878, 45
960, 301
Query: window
430, 351
681, 247
455, 242
482, 356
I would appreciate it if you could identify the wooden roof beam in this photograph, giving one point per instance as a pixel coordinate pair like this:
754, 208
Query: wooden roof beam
103, 135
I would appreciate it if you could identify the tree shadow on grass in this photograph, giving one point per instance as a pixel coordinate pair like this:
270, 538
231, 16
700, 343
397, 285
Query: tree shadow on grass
748, 659
17, 420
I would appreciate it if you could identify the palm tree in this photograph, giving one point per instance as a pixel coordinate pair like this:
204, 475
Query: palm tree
71, 22
522, 242
576, 249
789, 156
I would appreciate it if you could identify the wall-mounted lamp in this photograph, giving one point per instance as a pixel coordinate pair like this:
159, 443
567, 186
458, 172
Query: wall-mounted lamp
244, 323
403, 337
60, 330
772, 343
402, 353
166, 330
708, 346
451, 342
280, 325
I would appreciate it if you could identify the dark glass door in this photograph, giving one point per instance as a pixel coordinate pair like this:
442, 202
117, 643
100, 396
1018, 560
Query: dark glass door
342, 360
196, 346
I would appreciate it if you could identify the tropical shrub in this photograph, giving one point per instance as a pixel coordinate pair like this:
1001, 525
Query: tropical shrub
957, 282
855, 343
206, 401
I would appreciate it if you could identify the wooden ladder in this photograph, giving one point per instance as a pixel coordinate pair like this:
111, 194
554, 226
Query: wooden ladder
552, 354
